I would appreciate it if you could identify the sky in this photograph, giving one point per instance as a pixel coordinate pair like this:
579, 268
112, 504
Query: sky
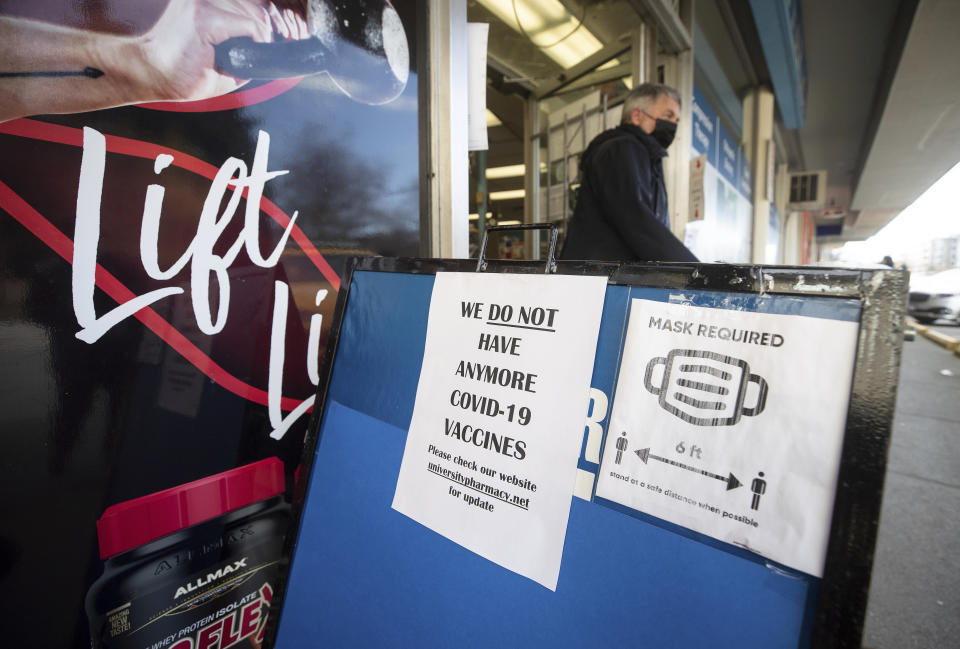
935, 214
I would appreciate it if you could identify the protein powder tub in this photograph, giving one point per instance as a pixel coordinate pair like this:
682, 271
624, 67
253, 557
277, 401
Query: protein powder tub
192, 567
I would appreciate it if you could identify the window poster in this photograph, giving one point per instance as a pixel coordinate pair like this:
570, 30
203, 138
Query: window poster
180, 184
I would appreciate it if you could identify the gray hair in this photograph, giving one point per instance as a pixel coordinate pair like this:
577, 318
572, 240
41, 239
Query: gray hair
645, 95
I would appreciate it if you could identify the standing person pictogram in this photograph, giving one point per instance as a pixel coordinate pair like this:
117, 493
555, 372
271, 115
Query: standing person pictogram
759, 487
621, 446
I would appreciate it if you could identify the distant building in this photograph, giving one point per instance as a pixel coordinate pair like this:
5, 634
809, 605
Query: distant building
943, 253
934, 255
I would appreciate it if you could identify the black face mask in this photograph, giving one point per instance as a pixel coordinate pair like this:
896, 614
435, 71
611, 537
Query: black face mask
664, 132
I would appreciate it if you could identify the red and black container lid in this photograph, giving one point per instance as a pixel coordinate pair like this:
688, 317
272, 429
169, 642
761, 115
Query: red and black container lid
132, 523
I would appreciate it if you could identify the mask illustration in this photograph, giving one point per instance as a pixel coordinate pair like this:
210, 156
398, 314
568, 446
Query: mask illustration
705, 388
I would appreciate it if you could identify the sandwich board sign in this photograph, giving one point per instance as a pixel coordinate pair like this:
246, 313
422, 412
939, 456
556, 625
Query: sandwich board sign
709, 499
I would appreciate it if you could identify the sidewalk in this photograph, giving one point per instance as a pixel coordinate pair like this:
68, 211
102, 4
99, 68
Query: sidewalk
915, 591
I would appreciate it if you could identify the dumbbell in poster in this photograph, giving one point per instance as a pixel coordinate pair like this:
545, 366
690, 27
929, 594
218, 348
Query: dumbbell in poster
729, 422
181, 183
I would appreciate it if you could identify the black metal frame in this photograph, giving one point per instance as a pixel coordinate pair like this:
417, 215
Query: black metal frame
842, 597
551, 264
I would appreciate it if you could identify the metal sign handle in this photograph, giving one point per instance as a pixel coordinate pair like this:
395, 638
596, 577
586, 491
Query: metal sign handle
551, 254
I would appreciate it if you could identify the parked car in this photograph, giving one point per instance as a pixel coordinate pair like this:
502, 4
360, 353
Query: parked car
935, 297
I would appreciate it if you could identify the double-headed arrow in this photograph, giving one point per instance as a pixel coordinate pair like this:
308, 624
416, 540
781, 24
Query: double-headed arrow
644, 454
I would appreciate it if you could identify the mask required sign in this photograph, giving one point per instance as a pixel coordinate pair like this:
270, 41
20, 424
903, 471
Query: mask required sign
730, 423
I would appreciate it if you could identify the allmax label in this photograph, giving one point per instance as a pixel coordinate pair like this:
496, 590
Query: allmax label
210, 578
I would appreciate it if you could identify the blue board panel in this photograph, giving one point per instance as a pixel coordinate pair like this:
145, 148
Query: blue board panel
704, 124
728, 156
745, 185
606, 363
386, 327
363, 575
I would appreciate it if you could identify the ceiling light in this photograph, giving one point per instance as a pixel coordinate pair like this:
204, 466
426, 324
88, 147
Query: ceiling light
507, 195
510, 171
492, 120
475, 217
514, 222
549, 26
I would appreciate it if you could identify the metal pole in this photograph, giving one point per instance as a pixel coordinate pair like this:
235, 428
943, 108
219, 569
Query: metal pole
583, 131
549, 172
481, 194
605, 111
531, 185
565, 167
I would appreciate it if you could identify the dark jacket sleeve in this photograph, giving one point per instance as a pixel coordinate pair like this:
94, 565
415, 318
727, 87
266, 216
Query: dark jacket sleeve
622, 176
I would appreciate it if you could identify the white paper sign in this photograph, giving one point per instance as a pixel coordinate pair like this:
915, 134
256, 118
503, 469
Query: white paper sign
698, 166
491, 455
730, 423
477, 86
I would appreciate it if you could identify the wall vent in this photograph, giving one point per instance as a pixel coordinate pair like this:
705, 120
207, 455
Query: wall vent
808, 190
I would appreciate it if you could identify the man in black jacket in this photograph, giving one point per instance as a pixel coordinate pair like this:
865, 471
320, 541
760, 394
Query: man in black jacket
621, 212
